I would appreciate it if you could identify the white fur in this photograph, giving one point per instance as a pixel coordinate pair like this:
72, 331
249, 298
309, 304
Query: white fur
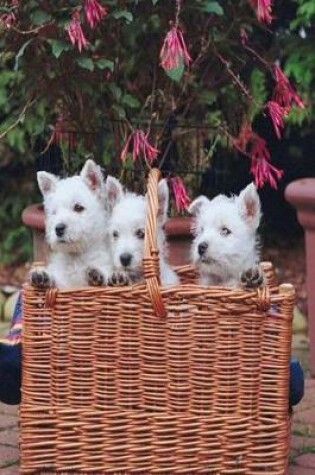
83, 243
126, 228
227, 227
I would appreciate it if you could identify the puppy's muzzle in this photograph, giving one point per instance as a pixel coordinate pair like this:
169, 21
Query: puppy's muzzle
60, 230
202, 247
125, 259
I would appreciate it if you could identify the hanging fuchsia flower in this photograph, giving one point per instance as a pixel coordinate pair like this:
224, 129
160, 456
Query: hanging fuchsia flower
283, 93
244, 137
255, 147
8, 19
277, 114
138, 142
174, 50
182, 199
94, 12
263, 9
75, 31
262, 170
243, 36
63, 132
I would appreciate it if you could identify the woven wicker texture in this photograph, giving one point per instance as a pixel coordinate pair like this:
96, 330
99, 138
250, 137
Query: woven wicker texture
149, 379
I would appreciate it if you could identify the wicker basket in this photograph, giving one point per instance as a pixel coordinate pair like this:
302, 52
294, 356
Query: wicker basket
151, 380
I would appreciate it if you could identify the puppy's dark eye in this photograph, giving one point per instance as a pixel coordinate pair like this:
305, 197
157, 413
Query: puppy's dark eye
78, 208
115, 234
225, 231
140, 233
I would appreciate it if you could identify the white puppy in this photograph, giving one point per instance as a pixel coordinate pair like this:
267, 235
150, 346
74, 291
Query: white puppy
126, 228
76, 228
225, 248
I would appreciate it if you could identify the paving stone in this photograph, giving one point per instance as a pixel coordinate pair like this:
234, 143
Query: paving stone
299, 443
304, 430
11, 470
9, 437
7, 421
306, 417
8, 455
7, 409
297, 470
306, 461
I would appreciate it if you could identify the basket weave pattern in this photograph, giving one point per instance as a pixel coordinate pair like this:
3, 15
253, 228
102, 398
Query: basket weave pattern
109, 387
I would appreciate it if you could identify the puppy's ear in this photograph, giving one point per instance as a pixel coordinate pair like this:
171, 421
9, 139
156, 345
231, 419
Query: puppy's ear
91, 174
196, 206
114, 191
163, 199
249, 206
47, 182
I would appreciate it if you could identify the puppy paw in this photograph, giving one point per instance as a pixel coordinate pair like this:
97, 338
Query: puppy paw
40, 278
94, 277
252, 277
119, 279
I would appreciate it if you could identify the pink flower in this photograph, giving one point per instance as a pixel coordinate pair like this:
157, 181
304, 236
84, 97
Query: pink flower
182, 199
174, 50
63, 133
263, 9
243, 36
277, 114
94, 12
244, 137
138, 140
283, 93
255, 147
8, 19
263, 172
75, 31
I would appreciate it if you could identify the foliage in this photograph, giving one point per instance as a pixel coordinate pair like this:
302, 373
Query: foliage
71, 68
113, 71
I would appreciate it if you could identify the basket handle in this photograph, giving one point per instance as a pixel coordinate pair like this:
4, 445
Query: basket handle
151, 253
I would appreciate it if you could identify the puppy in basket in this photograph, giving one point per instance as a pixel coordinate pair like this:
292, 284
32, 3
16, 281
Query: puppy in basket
76, 229
126, 233
225, 249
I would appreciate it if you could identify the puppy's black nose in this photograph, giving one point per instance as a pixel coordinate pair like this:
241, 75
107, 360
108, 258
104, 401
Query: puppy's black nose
125, 259
202, 247
60, 229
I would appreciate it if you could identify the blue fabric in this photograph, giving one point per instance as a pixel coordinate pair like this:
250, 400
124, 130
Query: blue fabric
10, 359
10, 373
296, 392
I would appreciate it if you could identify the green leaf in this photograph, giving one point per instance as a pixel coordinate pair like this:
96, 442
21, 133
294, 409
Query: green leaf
130, 101
85, 63
212, 7
120, 111
58, 47
20, 53
207, 97
176, 73
128, 16
259, 92
39, 17
116, 91
105, 64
